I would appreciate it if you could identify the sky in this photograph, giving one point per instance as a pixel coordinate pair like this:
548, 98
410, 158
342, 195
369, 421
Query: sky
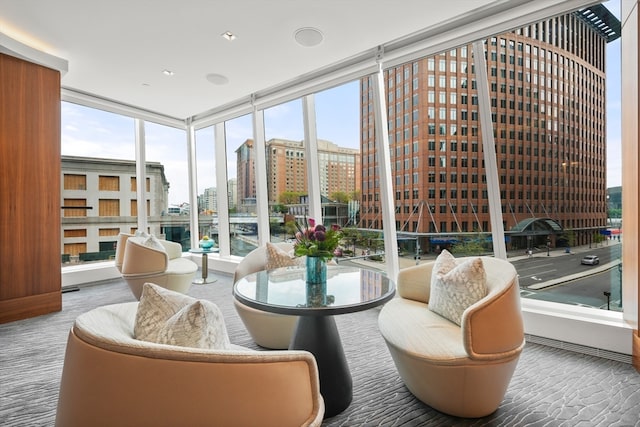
94, 133
614, 110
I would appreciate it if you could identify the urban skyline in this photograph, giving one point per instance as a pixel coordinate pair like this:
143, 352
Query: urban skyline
547, 113
95, 133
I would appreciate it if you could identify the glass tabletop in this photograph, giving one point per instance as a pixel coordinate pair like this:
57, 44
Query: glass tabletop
285, 291
204, 251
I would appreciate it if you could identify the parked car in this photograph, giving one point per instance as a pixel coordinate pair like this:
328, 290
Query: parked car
590, 260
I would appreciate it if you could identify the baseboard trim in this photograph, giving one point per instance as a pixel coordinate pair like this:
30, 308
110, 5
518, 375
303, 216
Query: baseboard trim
30, 306
578, 348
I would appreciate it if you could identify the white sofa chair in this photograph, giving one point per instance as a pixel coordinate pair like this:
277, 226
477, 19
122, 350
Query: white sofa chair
161, 264
268, 330
111, 379
459, 370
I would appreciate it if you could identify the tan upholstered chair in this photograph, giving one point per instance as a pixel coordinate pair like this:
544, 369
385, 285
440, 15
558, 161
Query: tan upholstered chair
163, 266
268, 330
120, 248
459, 370
111, 379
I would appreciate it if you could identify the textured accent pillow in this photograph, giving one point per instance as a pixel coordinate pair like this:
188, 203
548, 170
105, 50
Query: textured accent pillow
277, 258
445, 262
454, 288
153, 242
168, 317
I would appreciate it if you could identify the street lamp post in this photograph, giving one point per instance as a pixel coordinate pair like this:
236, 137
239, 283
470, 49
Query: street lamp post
608, 295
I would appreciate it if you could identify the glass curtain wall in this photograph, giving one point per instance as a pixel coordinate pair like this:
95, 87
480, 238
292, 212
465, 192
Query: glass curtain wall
98, 183
339, 165
613, 73
168, 193
207, 189
286, 167
243, 232
557, 181
557, 144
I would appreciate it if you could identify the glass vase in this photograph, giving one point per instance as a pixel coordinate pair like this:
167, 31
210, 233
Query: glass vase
316, 282
316, 270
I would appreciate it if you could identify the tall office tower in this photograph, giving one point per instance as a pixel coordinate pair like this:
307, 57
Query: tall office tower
547, 108
246, 177
287, 168
210, 199
232, 186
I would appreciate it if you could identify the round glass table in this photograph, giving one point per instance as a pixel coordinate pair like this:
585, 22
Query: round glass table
347, 290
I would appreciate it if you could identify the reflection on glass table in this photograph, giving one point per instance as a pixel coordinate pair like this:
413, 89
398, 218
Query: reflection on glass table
285, 291
347, 290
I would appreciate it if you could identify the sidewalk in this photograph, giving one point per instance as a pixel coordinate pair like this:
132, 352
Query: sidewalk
577, 251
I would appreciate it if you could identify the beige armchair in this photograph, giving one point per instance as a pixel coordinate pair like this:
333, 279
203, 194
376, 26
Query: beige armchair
160, 263
120, 248
459, 370
268, 330
111, 379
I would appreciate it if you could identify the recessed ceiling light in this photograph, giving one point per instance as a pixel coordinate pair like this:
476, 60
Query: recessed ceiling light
228, 35
217, 79
167, 72
308, 36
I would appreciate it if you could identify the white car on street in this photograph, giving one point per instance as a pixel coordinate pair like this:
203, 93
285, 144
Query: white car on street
590, 260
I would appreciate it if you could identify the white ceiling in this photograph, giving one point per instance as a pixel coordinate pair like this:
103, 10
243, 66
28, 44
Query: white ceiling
118, 49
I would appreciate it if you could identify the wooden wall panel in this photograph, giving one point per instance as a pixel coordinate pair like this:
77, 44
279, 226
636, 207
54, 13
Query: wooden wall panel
30, 276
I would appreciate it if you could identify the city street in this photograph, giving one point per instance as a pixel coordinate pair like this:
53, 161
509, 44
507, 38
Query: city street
559, 276
562, 278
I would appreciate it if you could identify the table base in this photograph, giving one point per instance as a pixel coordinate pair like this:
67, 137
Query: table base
204, 281
205, 271
319, 335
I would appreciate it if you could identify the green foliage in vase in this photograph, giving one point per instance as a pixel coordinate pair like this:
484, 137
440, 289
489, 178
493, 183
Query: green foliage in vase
316, 240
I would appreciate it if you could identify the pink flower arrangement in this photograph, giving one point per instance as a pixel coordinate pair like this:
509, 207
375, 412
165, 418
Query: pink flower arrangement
316, 240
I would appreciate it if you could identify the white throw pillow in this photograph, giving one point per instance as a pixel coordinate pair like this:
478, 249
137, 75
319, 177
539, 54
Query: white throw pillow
455, 287
168, 317
277, 258
445, 262
153, 242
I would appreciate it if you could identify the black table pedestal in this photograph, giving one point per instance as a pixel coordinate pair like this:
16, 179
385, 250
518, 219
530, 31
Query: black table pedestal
348, 290
319, 335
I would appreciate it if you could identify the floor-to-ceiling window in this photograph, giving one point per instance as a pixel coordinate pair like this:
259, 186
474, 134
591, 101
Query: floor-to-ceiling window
286, 168
168, 196
98, 182
339, 164
547, 93
243, 226
208, 193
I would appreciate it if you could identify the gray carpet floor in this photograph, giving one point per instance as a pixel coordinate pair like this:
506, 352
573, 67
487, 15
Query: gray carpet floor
551, 387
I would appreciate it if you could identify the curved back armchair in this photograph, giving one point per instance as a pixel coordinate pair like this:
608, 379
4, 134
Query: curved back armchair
111, 379
161, 264
120, 248
268, 330
462, 370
